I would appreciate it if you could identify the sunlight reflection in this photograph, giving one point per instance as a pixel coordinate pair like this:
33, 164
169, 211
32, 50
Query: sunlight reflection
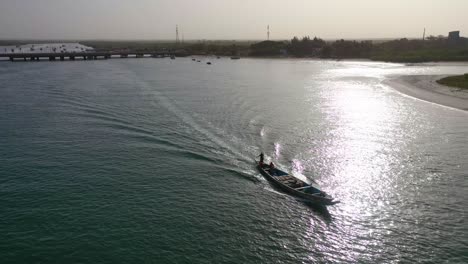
297, 166
359, 147
277, 150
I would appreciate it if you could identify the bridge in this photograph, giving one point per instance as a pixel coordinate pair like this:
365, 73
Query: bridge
94, 55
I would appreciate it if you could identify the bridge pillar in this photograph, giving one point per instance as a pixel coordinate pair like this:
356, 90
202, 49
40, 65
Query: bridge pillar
11, 59
24, 58
62, 58
72, 57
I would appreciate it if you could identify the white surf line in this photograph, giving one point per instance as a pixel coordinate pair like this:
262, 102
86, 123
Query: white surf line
387, 84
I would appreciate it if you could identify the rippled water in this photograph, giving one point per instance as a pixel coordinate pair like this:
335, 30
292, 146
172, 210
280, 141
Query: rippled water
151, 161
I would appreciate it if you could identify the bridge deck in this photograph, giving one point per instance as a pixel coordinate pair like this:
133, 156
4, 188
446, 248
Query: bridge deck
83, 54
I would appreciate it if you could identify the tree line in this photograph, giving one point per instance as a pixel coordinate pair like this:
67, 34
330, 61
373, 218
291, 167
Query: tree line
399, 50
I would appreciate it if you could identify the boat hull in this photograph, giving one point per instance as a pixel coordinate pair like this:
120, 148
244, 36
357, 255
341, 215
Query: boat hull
315, 199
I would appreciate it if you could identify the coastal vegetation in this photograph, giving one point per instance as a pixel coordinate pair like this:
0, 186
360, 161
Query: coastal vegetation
268, 48
401, 50
310, 48
459, 81
432, 49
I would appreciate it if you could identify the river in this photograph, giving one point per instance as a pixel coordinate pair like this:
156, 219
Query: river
151, 161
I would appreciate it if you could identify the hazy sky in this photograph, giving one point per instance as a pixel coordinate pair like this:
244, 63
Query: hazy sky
229, 19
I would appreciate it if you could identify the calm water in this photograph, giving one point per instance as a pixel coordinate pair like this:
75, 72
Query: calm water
151, 161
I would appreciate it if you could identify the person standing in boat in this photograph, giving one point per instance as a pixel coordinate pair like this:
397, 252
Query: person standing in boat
261, 158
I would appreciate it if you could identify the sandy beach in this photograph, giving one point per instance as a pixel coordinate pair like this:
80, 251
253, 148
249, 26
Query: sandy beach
426, 88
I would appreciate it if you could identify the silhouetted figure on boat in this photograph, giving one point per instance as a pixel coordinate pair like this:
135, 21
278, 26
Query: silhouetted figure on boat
262, 156
272, 166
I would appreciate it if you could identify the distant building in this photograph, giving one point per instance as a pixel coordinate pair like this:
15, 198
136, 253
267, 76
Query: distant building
454, 36
454, 39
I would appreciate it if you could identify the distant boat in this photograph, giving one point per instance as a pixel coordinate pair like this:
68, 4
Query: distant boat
209, 63
294, 186
218, 57
198, 61
235, 57
194, 59
172, 57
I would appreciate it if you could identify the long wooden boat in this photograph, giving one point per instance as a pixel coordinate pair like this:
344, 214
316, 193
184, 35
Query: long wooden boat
295, 186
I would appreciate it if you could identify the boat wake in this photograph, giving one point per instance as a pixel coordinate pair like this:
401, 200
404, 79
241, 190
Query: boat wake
217, 142
270, 189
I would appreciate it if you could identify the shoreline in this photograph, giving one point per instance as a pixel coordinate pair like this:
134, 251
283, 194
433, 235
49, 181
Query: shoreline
425, 87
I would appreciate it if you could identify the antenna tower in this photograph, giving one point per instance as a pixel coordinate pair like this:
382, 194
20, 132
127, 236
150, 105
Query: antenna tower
424, 34
268, 32
177, 34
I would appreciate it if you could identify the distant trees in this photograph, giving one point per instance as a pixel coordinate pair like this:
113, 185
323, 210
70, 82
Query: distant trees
203, 48
433, 48
267, 48
306, 47
400, 45
316, 47
351, 49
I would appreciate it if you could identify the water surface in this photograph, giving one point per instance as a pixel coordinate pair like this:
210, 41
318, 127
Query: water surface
151, 161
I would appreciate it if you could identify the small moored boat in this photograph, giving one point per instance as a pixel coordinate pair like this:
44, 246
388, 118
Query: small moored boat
294, 186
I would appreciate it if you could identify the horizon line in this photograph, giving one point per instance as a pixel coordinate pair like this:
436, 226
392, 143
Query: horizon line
192, 40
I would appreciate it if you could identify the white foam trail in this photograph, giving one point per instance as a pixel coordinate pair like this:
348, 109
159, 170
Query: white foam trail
268, 188
262, 132
189, 120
